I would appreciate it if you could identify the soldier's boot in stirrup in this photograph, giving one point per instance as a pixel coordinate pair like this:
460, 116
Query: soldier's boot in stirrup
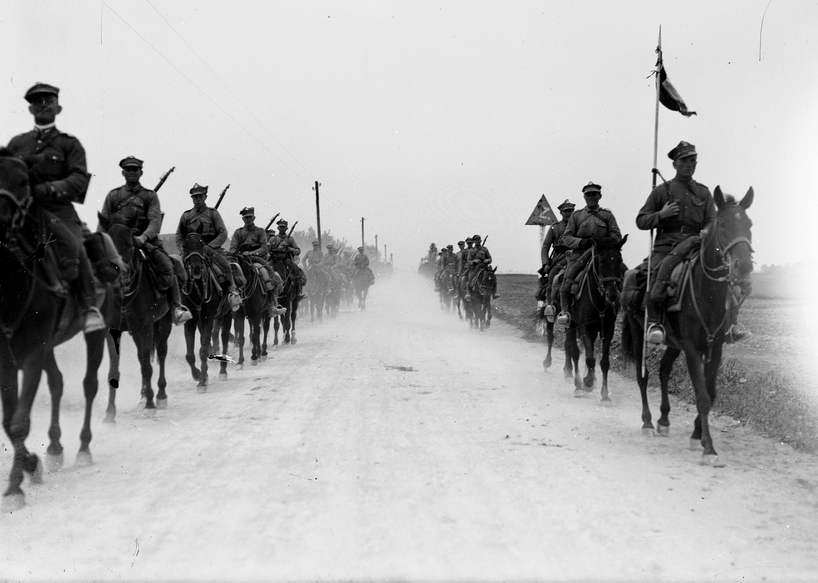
564, 318
94, 322
654, 331
550, 313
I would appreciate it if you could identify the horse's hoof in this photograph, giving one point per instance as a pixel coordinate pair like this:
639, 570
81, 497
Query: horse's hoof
196, 374
547, 362
294, 341
84, 459
110, 418
149, 413
222, 376
663, 430
13, 502
695, 444
606, 401
240, 366
264, 357
579, 393
253, 362
201, 389
161, 403
54, 462
711, 460
647, 432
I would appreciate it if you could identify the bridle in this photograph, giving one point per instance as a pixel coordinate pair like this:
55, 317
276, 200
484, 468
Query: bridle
726, 258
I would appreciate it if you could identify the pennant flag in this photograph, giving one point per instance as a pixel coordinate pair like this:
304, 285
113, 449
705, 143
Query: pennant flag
542, 214
668, 96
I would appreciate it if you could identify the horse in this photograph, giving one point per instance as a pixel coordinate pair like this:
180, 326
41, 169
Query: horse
548, 329
207, 302
140, 310
337, 281
317, 288
446, 290
698, 328
484, 283
35, 316
594, 314
255, 303
287, 298
361, 281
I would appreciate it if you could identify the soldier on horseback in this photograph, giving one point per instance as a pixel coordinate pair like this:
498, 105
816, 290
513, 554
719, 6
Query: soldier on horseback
59, 177
441, 263
251, 241
480, 260
332, 257
284, 247
591, 224
137, 208
314, 257
683, 212
360, 263
213, 232
552, 263
458, 264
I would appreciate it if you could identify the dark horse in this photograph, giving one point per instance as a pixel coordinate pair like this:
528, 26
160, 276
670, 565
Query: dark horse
205, 299
361, 281
145, 313
34, 318
288, 299
698, 328
594, 314
484, 283
317, 288
255, 303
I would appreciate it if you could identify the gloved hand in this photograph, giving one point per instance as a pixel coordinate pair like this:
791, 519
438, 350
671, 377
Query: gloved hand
586, 243
141, 240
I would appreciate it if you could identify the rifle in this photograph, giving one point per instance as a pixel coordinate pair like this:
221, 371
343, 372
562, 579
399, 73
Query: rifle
290, 234
221, 196
162, 180
270, 224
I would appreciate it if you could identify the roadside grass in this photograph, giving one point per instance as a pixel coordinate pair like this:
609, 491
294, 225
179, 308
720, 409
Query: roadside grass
763, 380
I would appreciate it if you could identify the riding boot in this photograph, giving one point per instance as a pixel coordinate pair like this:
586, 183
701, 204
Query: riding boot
87, 298
655, 331
180, 313
564, 318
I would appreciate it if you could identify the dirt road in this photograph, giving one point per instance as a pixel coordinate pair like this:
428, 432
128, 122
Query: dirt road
398, 443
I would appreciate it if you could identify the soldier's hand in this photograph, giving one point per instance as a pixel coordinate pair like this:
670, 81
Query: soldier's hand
141, 240
671, 209
586, 243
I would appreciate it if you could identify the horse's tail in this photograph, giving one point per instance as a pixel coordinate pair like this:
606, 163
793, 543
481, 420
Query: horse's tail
539, 319
628, 341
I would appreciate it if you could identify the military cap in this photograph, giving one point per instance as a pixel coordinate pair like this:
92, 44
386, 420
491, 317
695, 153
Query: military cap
315, 243
360, 248
131, 161
476, 238
591, 187
683, 150
461, 243
566, 205
449, 246
198, 189
469, 240
282, 223
40, 88
330, 246
248, 211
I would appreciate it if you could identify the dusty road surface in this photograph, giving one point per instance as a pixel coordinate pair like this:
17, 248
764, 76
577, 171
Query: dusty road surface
396, 443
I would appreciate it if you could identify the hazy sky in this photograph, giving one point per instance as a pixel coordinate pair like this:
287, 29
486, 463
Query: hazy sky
433, 120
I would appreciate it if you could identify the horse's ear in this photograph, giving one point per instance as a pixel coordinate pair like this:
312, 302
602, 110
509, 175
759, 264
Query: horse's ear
622, 242
747, 200
718, 196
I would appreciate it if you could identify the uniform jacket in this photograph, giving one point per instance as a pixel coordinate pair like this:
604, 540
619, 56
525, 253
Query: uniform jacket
554, 238
330, 259
214, 233
278, 242
482, 255
360, 260
587, 223
313, 257
253, 237
697, 211
57, 160
137, 208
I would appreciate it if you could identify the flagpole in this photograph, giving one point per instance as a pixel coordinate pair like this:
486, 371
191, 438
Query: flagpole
653, 185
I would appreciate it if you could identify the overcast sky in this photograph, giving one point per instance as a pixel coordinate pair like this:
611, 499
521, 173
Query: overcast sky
433, 120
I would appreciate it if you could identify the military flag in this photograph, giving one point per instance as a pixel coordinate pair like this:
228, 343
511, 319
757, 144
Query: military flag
668, 96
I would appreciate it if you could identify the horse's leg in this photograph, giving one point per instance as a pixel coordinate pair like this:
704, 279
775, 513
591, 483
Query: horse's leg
488, 310
704, 402
276, 326
112, 339
204, 351
224, 334
161, 332
238, 327
17, 423
254, 321
293, 318
54, 453
571, 354
605, 359
95, 347
549, 336
265, 326
588, 336
143, 339
665, 368
190, 343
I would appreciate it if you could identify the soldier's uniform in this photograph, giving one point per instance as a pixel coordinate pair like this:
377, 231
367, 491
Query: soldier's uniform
283, 247
480, 259
138, 208
331, 258
458, 264
361, 263
464, 267
314, 257
214, 233
59, 177
558, 259
584, 228
251, 241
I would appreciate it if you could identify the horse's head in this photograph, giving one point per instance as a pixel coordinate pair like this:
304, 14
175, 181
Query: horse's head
193, 253
609, 267
734, 233
122, 238
15, 192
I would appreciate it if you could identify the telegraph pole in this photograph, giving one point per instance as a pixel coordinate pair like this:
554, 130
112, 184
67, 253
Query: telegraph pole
362, 234
318, 212
384, 253
377, 254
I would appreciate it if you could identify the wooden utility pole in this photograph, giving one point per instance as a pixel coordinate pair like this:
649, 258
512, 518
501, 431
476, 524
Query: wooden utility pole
318, 212
377, 255
384, 253
362, 234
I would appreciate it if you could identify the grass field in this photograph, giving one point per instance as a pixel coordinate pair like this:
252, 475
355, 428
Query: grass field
764, 380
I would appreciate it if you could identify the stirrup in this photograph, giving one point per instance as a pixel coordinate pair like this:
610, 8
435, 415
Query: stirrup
94, 322
655, 334
181, 315
234, 299
564, 319
550, 313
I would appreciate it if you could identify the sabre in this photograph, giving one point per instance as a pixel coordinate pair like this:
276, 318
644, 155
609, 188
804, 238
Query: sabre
162, 180
270, 224
221, 196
